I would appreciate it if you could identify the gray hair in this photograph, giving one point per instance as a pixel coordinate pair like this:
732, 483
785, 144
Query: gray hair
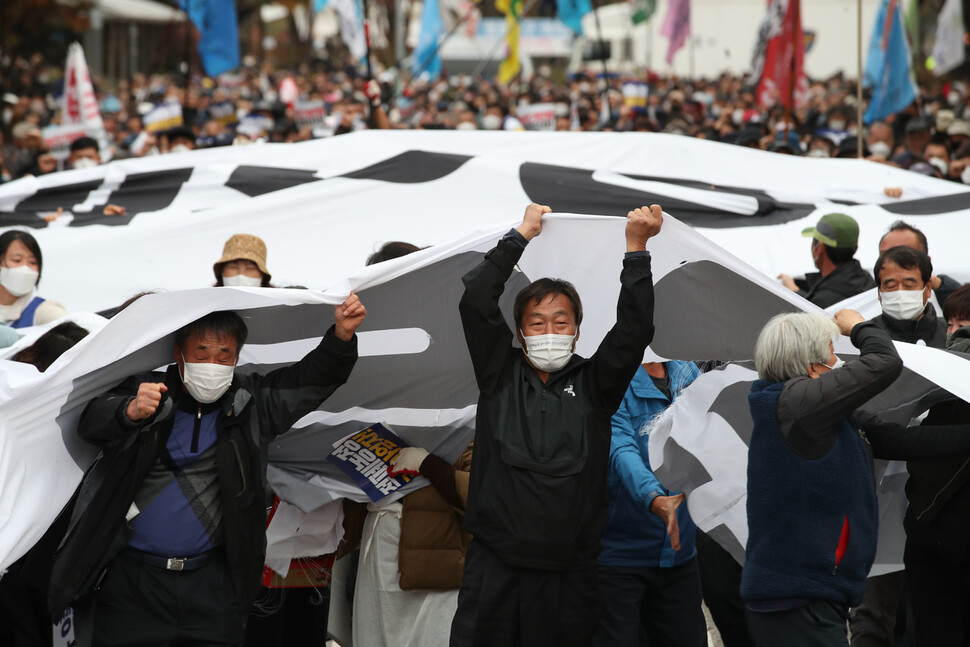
790, 342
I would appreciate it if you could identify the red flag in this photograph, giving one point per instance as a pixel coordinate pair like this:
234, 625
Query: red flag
779, 60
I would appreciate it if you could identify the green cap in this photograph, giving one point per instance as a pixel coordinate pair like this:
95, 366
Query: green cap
835, 230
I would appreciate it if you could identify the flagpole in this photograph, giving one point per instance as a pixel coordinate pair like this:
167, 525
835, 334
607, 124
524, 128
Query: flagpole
606, 83
858, 88
188, 48
797, 41
690, 35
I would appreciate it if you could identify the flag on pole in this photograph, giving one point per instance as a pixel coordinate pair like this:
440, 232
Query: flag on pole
888, 70
351, 18
427, 57
779, 57
676, 26
642, 10
948, 52
218, 26
513, 16
571, 13
80, 105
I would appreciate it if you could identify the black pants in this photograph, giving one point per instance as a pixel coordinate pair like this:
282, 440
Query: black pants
142, 605
504, 606
650, 607
289, 618
721, 583
940, 598
814, 625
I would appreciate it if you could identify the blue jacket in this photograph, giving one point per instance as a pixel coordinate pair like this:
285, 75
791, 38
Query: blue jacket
635, 536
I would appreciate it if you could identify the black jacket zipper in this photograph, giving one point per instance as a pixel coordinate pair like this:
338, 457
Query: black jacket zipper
195, 431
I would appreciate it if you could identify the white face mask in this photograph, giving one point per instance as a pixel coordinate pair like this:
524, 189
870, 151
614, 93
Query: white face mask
549, 352
179, 148
18, 280
965, 176
241, 281
902, 304
837, 125
880, 148
466, 125
206, 382
818, 152
839, 363
939, 163
491, 122
84, 162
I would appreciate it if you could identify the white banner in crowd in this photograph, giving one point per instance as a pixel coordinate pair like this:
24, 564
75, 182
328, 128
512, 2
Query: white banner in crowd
322, 207
80, 104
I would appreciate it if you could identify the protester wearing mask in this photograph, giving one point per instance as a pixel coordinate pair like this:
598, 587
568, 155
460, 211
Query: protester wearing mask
180, 140
903, 277
937, 156
169, 526
537, 502
84, 153
812, 511
881, 140
21, 264
901, 233
243, 263
937, 520
834, 242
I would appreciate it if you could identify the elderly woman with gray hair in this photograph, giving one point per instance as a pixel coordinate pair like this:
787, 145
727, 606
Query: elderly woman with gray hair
812, 512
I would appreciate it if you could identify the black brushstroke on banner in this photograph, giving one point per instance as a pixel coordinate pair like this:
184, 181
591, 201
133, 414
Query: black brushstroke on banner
259, 180
690, 473
930, 206
731, 404
426, 298
27, 212
139, 193
692, 321
573, 190
411, 167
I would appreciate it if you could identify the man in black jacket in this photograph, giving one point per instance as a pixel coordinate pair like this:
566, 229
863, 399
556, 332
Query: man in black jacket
903, 276
834, 242
167, 540
537, 502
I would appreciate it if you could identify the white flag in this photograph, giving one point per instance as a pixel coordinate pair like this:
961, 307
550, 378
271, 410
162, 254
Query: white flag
948, 50
80, 103
351, 26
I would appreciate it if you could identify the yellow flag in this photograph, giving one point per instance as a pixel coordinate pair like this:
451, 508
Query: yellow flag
513, 14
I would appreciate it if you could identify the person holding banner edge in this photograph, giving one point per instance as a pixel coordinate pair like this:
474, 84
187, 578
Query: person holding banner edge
812, 510
537, 502
167, 542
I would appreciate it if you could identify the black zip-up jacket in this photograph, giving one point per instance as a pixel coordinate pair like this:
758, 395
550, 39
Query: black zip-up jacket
538, 495
255, 409
929, 328
846, 280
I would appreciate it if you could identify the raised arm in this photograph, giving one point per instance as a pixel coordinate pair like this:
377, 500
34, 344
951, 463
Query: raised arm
287, 394
809, 409
621, 351
487, 336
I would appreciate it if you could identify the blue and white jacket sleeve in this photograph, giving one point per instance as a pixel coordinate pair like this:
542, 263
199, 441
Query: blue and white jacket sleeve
629, 463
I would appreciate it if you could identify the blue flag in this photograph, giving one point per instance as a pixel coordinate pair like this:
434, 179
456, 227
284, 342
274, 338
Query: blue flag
571, 13
319, 5
888, 65
218, 27
427, 57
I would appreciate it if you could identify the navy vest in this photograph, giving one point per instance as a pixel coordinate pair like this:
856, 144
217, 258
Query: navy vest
26, 318
812, 524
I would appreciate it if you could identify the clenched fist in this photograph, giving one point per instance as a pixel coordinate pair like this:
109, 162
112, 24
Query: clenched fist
146, 401
532, 221
641, 225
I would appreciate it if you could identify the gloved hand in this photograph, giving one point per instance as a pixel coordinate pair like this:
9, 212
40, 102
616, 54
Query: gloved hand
373, 92
407, 461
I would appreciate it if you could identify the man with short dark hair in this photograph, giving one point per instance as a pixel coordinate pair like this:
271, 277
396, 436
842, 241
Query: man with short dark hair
834, 242
537, 501
903, 277
169, 527
84, 153
902, 233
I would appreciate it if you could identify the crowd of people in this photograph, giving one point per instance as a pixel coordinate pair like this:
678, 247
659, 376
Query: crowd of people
258, 103
551, 529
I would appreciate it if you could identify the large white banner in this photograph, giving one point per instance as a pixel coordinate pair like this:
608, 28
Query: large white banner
322, 207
